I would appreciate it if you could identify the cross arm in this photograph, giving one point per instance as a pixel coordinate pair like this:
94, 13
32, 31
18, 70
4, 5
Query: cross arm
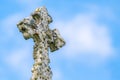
58, 41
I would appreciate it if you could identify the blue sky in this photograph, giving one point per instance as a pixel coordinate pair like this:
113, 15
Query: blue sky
91, 29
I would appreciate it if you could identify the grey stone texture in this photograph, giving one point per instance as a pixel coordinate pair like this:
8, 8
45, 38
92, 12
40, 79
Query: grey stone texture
36, 26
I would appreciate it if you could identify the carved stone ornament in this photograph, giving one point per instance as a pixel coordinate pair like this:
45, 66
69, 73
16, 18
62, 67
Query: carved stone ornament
36, 26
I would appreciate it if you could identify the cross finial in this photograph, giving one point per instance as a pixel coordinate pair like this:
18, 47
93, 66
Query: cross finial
37, 27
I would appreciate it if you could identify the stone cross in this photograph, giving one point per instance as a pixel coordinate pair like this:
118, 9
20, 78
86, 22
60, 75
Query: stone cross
37, 27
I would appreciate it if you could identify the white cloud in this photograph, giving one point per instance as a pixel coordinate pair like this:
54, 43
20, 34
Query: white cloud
16, 58
9, 24
20, 60
84, 36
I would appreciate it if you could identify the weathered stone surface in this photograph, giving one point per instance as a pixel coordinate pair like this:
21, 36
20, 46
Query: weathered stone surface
37, 27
